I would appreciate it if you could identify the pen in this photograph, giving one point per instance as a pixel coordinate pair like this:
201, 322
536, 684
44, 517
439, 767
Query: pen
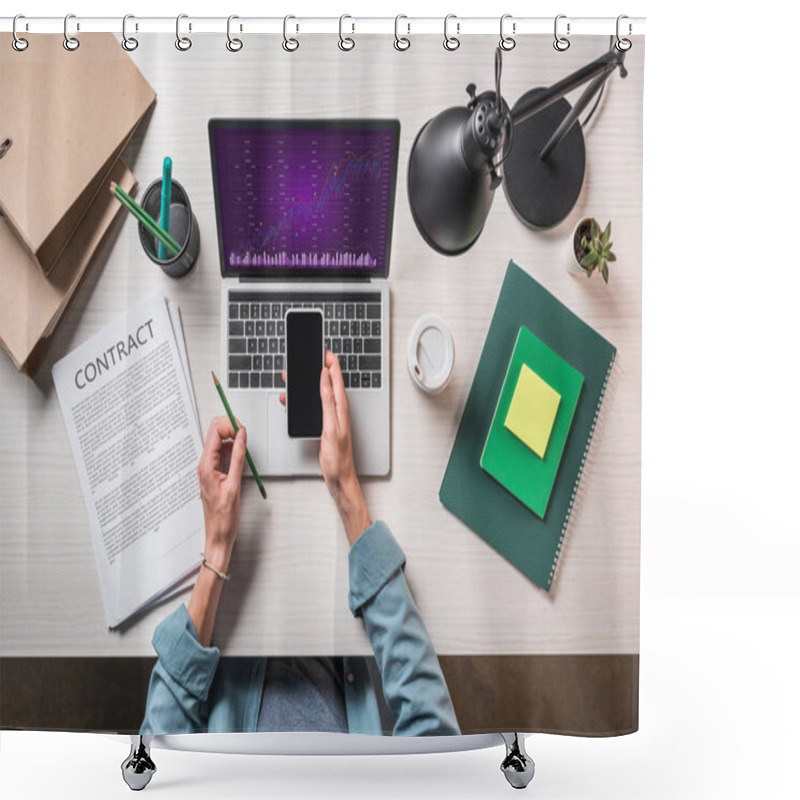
236, 429
149, 223
166, 199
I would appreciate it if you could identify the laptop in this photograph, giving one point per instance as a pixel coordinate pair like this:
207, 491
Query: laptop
304, 220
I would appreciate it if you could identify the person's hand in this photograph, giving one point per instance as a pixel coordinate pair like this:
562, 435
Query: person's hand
336, 446
220, 474
336, 450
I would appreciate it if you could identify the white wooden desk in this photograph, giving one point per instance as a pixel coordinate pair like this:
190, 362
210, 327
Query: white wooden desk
288, 592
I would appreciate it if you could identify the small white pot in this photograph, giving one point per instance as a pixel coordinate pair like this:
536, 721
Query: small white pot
571, 260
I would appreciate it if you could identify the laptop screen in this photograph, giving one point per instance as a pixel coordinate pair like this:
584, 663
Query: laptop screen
302, 198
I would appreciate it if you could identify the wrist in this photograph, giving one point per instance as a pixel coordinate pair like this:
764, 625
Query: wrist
352, 509
218, 554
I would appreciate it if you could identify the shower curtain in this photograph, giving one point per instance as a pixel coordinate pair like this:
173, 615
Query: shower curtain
488, 578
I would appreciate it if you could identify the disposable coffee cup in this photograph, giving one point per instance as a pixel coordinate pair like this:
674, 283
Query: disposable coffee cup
182, 227
431, 354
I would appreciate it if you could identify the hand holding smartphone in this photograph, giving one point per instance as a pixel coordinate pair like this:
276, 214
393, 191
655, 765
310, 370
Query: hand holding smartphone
305, 357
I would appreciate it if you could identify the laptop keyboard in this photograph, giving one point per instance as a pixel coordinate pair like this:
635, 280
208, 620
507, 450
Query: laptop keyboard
257, 336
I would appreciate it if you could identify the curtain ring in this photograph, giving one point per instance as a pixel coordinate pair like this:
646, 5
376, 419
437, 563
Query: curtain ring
346, 42
233, 44
507, 42
129, 43
451, 42
183, 43
290, 44
561, 43
18, 43
70, 42
401, 42
623, 44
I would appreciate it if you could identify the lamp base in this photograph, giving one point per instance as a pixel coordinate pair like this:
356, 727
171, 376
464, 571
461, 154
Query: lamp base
542, 193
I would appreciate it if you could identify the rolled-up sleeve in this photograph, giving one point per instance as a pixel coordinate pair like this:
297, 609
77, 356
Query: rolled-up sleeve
177, 698
413, 683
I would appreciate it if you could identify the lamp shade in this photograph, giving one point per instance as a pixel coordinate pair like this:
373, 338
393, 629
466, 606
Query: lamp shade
450, 198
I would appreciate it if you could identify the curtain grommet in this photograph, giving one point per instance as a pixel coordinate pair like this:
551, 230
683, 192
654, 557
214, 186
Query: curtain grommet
289, 43
401, 43
129, 43
561, 43
233, 44
346, 43
183, 43
19, 43
451, 43
70, 43
623, 44
507, 43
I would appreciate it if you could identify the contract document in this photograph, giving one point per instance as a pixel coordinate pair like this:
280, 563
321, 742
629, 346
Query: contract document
130, 413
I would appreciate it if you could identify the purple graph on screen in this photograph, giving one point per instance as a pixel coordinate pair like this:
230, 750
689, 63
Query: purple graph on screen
316, 198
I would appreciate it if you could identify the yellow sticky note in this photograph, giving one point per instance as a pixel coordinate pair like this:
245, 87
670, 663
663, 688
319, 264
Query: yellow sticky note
533, 410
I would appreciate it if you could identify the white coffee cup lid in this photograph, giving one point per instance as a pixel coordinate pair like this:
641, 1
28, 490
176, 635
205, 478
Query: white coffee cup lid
431, 354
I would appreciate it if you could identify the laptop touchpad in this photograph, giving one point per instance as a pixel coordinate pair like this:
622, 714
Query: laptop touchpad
287, 456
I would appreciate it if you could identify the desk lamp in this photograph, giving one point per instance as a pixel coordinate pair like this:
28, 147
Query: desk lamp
452, 172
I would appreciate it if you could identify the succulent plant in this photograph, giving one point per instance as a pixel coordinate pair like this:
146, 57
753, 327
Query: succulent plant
595, 250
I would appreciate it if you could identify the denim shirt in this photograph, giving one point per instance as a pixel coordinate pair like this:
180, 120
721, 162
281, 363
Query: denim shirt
193, 690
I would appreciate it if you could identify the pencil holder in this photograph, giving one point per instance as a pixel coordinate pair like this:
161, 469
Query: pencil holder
182, 227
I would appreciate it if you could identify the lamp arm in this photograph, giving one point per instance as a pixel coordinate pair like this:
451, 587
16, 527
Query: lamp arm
599, 69
563, 129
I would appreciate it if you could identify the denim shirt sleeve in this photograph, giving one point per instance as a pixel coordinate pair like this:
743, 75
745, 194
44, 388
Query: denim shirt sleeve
413, 683
177, 698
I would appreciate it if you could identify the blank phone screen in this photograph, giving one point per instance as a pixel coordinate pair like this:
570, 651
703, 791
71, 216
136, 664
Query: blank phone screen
303, 367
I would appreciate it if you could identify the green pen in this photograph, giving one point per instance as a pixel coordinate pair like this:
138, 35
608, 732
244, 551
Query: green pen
236, 429
146, 220
166, 199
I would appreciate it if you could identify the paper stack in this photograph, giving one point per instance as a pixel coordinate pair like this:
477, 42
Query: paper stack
129, 408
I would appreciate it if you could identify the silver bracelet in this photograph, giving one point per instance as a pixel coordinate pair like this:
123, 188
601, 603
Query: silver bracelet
218, 573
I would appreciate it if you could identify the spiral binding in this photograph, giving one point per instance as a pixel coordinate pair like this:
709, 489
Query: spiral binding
576, 485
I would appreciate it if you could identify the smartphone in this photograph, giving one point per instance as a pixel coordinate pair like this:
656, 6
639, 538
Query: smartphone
305, 357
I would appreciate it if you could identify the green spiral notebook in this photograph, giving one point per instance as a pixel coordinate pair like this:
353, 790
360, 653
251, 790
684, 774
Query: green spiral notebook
530, 542
532, 421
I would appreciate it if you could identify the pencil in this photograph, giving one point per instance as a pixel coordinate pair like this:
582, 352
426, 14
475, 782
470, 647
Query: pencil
143, 217
236, 428
166, 199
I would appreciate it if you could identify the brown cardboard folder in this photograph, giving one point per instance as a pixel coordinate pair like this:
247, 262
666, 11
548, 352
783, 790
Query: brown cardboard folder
32, 303
65, 118
68, 116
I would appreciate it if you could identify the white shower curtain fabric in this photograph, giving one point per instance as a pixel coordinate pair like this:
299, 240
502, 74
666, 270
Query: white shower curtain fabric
494, 584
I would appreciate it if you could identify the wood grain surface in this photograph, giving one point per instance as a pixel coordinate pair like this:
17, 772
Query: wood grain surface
288, 591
